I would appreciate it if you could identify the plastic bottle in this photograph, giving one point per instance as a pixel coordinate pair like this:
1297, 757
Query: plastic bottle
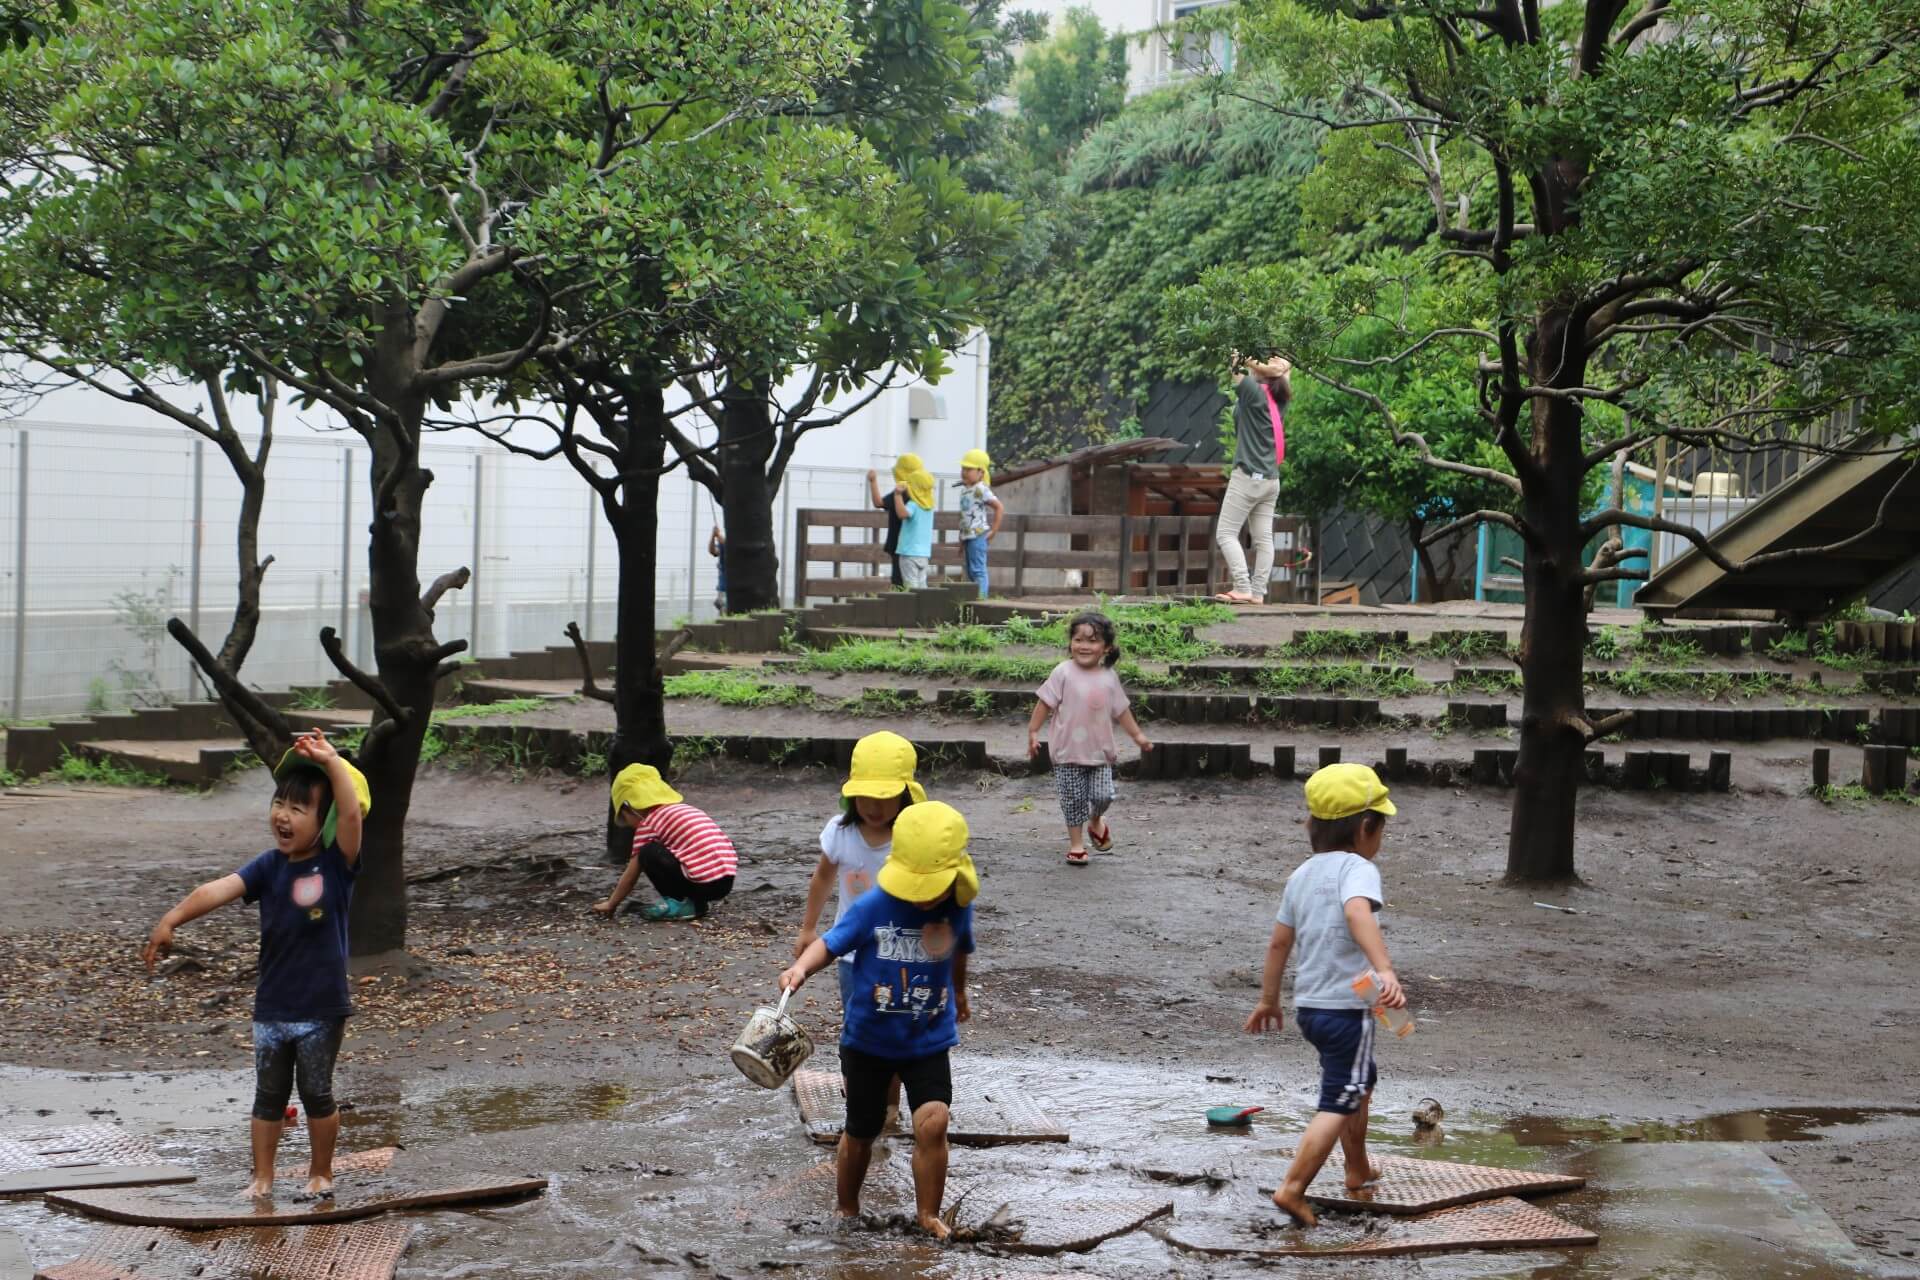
1398, 1022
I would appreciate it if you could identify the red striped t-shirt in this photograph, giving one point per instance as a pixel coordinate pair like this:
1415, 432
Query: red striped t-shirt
703, 850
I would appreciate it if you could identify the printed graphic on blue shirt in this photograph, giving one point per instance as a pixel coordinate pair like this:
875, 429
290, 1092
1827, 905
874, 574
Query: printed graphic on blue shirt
902, 978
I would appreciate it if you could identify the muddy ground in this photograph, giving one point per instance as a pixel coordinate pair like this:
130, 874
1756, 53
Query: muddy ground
1730, 953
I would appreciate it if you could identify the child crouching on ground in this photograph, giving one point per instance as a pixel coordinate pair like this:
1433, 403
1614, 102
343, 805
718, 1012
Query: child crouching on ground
304, 886
683, 853
909, 937
1085, 699
1327, 912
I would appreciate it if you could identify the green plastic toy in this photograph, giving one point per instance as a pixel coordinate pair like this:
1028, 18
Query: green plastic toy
1227, 1117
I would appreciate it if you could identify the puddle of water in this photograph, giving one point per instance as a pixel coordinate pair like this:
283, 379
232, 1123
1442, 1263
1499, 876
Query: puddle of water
659, 1178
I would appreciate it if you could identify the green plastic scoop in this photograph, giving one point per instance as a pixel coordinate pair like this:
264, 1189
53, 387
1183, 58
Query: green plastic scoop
1231, 1115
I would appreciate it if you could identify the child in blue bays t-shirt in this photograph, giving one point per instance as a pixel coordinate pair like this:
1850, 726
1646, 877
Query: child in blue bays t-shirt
909, 937
304, 886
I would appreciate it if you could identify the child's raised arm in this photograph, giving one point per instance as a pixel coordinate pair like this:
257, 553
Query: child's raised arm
208, 897
1266, 1014
346, 799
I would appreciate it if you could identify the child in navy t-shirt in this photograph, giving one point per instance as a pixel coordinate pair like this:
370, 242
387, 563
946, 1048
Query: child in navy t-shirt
304, 886
908, 938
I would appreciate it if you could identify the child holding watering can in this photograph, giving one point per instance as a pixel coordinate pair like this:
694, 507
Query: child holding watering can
909, 938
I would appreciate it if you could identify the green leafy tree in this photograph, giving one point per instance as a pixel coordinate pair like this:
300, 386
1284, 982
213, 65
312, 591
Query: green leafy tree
320, 191
930, 246
1695, 214
1068, 83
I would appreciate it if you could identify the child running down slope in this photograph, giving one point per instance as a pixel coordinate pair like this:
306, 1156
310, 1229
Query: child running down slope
1085, 699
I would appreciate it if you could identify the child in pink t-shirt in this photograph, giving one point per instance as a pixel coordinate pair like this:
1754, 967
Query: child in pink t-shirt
1085, 699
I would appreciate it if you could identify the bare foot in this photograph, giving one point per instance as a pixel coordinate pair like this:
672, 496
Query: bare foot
1356, 1181
1296, 1207
933, 1226
320, 1188
259, 1189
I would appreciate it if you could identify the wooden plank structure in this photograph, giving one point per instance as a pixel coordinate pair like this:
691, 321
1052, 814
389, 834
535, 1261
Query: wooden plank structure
1149, 553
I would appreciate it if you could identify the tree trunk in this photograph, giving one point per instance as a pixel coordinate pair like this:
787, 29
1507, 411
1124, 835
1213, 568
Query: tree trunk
406, 657
252, 474
639, 699
1547, 776
1430, 592
746, 446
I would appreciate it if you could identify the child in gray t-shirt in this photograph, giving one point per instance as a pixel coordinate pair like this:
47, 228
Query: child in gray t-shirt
1327, 912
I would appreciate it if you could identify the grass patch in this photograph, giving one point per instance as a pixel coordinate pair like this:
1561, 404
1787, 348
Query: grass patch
1496, 682
1856, 792
1655, 643
505, 707
1638, 681
736, 689
1338, 642
9, 777
1353, 678
1790, 646
1605, 644
691, 751
918, 658
316, 699
593, 764
886, 702
106, 773
1468, 645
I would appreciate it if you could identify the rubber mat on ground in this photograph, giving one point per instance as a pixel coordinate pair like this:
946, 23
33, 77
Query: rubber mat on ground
1505, 1223
348, 1251
1044, 1223
985, 1113
410, 1181
14, 1258
372, 1160
1420, 1186
85, 1155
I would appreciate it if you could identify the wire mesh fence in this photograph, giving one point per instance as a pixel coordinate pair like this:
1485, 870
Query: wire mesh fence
106, 532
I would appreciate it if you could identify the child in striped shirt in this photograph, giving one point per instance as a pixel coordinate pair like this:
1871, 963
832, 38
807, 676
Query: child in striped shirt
685, 855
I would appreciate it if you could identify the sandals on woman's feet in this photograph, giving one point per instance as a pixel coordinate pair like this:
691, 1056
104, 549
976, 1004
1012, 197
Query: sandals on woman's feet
1076, 857
1103, 842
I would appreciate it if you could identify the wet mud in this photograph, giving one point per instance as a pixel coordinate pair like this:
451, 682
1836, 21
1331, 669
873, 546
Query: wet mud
1699, 999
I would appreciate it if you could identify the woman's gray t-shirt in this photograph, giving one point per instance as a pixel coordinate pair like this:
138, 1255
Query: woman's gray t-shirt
1314, 906
1253, 428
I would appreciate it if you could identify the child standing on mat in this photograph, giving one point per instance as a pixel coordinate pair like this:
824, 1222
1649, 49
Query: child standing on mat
909, 939
1085, 699
980, 514
304, 886
1327, 911
684, 854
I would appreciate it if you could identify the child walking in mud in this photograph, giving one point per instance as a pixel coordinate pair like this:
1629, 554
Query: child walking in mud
1085, 699
304, 886
908, 941
683, 853
1327, 914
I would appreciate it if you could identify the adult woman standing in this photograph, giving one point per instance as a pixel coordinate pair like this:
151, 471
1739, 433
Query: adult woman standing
1261, 392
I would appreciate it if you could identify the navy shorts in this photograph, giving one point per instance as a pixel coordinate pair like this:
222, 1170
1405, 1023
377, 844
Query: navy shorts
1344, 1038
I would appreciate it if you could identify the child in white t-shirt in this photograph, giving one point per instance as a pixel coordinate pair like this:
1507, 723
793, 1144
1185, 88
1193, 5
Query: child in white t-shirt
858, 839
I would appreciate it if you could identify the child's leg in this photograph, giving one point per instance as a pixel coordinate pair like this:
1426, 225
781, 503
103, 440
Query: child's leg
929, 1085
930, 1167
314, 1055
864, 1079
664, 872
1100, 797
1070, 784
1316, 1144
273, 1058
1353, 1147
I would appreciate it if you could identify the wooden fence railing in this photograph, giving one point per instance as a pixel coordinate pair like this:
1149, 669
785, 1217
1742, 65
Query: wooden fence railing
1149, 555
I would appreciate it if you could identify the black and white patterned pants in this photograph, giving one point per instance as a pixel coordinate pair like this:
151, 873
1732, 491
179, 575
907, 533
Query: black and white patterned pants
1086, 791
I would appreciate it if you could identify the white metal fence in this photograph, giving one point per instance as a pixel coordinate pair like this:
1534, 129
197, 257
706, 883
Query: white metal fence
105, 532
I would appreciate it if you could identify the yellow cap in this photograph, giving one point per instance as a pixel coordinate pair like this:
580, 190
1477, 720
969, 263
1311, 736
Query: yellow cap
1342, 790
641, 786
883, 765
294, 761
929, 856
976, 458
905, 465
920, 489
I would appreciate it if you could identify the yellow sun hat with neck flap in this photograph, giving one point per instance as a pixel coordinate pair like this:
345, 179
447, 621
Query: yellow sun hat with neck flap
929, 856
977, 458
641, 787
883, 766
293, 762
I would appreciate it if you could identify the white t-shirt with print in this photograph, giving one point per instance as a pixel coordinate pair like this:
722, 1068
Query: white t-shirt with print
856, 861
976, 509
1314, 906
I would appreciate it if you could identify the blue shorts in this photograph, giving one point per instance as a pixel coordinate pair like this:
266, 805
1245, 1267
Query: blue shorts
1344, 1038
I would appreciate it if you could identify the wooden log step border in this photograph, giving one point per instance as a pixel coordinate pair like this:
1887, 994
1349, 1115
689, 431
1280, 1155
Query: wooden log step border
1757, 724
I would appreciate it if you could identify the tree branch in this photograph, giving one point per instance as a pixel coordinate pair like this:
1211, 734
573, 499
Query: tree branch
266, 730
588, 687
452, 580
1478, 518
369, 685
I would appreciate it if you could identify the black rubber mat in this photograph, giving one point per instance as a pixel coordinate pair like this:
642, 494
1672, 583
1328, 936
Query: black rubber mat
349, 1251
1505, 1223
986, 1112
77, 1156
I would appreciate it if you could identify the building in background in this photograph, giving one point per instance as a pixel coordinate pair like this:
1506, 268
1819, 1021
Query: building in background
1153, 60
